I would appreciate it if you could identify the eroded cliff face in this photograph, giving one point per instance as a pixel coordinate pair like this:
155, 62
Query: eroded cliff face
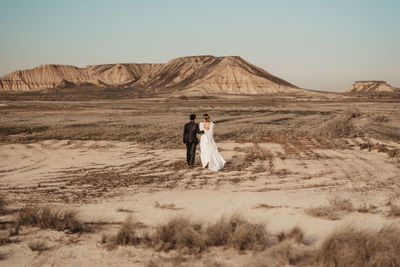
233, 75
44, 76
206, 74
370, 87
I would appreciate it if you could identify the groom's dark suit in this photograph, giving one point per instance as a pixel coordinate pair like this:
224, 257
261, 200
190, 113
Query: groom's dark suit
190, 139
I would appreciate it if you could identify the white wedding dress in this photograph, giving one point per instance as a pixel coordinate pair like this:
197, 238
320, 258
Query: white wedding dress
208, 149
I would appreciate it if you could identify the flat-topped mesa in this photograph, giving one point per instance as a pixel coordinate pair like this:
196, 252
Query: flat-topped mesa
371, 87
193, 74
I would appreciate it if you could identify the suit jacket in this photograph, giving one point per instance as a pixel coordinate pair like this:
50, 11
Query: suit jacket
190, 132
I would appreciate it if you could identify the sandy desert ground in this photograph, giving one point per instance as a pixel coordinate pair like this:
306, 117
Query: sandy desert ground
320, 168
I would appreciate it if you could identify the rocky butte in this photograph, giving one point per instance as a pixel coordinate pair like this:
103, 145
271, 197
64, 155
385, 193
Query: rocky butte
371, 87
193, 75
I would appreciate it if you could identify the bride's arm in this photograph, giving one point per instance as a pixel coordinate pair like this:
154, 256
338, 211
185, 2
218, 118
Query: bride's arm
198, 130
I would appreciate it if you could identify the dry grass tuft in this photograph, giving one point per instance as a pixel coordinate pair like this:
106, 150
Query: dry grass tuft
126, 234
179, 233
219, 234
291, 249
366, 208
286, 253
352, 247
182, 234
38, 245
237, 233
47, 218
249, 236
334, 211
326, 212
296, 234
341, 125
342, 204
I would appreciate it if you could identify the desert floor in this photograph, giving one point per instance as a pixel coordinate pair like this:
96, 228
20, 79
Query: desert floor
317, 166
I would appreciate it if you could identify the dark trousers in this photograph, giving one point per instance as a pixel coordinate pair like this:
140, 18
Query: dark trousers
190, 153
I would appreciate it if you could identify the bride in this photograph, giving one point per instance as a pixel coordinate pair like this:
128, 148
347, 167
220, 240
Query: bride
208, 148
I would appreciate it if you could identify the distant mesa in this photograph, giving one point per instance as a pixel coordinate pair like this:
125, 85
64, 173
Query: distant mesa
371, 87
192, 75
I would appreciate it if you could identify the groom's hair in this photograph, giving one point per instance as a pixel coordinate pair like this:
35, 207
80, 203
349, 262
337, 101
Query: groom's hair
192, 117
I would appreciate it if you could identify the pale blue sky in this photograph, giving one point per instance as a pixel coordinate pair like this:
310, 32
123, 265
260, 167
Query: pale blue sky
315, 44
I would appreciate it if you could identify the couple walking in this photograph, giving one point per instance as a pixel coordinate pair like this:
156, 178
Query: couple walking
208, 148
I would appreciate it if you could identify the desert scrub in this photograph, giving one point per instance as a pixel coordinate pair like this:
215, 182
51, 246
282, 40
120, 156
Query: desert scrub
296, 234
336, 208
238, 233
179, 233
127, 234
339, 126
355, 247
50, 218
233, 232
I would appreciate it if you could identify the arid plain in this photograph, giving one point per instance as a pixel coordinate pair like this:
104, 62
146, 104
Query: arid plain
93, 168
104, 182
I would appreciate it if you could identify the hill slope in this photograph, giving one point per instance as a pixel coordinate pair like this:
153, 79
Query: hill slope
371, 87
202, 74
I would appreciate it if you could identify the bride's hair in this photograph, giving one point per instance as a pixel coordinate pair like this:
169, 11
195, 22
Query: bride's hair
206, 117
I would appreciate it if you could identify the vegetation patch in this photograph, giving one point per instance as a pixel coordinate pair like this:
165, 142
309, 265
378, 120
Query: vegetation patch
182, 234
50, 218
334, 211
355, 247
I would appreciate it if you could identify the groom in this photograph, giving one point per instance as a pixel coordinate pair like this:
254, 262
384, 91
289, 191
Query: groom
190, 139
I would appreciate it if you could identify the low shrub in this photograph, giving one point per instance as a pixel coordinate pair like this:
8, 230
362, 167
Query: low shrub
354, 247
127, 234
179, 233
336, 208
48, 218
